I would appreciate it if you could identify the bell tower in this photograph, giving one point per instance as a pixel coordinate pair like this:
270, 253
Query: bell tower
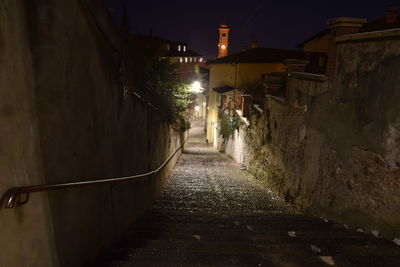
223, 40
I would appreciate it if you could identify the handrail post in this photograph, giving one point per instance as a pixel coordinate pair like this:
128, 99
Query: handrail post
10, 198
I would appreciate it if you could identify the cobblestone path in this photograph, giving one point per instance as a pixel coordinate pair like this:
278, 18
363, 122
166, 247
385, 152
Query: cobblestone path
212, 213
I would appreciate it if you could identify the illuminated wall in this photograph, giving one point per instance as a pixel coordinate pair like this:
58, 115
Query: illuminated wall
235, 75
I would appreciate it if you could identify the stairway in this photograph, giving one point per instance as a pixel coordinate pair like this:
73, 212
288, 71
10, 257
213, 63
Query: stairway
212, 213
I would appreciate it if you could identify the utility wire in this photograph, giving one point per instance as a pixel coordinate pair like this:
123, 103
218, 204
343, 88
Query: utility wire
251, 17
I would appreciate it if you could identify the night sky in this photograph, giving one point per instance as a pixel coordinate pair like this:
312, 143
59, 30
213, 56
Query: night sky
277, 24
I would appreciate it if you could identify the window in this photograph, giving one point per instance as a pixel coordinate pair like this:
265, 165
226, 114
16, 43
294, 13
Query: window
195, 59
184, 48
179, 47
180, 60
201, 59
321, 61
190, 59
186, 59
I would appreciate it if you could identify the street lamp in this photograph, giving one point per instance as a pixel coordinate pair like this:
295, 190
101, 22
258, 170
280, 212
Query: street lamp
196, 87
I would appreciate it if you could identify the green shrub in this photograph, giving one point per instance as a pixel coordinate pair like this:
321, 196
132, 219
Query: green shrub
229, 124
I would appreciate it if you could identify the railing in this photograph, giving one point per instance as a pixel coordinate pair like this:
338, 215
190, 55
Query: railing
13, 195
129, 90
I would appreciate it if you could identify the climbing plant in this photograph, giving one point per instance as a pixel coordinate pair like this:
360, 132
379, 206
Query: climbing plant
180, 99
229, 124
159, 76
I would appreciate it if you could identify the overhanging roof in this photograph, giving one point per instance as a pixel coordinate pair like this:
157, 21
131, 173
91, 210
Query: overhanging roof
376, 25
316, 36
261, 55
223, 89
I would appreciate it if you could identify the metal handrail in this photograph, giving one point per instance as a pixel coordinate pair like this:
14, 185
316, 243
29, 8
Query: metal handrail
128, 89
13, 195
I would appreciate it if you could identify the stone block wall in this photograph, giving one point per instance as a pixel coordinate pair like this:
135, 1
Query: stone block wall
65, 117
333, 149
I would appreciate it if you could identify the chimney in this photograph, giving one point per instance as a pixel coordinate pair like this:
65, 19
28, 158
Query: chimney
391, 14
340, 27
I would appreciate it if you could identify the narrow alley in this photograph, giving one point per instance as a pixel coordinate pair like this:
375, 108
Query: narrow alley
212, 213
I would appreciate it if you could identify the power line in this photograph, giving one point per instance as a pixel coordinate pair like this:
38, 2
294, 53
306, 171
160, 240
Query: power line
251, 17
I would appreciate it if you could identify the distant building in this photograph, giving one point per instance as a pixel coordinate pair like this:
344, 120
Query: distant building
324, 41
223, 43
232, 76
188, 62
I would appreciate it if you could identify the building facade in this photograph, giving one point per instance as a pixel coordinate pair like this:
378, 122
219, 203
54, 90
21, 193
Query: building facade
187, 61
234, 77
325, 41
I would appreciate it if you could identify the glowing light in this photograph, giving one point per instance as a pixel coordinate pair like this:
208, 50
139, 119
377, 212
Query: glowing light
201, 59
204, 103
196, 87
197, 108
223, 46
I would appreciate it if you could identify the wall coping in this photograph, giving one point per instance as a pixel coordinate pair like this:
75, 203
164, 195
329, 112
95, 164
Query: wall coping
246, 121
257, 107
278, 99
346, 22
367, 36
308, 76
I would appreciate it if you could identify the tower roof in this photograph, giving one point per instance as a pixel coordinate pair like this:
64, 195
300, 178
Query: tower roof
224, 24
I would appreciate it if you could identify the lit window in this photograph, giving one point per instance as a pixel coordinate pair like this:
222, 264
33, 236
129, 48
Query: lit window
201, 59
184, 48
190, 59
180, 60
195, 59
179, 48
186, 59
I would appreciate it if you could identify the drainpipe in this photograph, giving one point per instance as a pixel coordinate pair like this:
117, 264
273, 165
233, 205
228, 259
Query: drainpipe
236, 78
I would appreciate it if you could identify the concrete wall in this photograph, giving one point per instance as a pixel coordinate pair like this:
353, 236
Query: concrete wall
334, 149
65, 118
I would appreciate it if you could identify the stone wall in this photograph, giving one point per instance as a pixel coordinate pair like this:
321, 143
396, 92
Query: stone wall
65, 117
334, 149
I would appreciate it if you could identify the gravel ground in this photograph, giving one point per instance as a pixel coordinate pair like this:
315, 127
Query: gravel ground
212, 213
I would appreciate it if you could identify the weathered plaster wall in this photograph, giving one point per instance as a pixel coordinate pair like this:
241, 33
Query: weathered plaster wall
26, 235
237, 76
65, 118
336, 153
